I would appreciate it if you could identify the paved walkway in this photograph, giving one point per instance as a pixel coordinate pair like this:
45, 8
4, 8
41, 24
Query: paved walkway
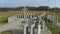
45, 30
13, 25
42, 14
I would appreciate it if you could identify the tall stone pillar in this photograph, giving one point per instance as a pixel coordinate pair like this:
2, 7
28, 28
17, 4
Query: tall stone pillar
39, 29
25, 29
43, 23
32, 27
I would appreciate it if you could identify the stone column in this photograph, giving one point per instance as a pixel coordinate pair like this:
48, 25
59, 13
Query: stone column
9, 20
31, 15
20, 16
39, 29
32, 26
57, 19
43, 23
27, 15
15, 17
25, 29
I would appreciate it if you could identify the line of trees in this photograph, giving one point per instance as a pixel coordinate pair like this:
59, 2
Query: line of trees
41, 8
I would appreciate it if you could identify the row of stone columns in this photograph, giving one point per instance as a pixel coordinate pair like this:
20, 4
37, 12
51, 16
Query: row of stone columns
25, 16
32, 27
28, 15
39, 29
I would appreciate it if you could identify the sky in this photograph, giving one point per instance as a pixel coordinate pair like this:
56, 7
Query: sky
37, 3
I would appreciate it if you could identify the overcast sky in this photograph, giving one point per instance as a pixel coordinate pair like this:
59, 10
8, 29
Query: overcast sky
17, 3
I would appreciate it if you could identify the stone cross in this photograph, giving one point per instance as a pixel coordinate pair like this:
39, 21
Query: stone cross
24, 9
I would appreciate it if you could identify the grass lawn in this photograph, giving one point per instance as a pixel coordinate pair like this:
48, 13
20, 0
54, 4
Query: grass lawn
6, 32
53, 28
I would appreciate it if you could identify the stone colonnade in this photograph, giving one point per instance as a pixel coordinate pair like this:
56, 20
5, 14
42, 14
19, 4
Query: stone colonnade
20, 16
33, 29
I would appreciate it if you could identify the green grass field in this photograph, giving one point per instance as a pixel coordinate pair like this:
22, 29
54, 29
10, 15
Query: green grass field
6, 32
53, 28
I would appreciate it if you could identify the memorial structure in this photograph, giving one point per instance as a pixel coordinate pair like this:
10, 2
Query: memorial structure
35, 27
31, 24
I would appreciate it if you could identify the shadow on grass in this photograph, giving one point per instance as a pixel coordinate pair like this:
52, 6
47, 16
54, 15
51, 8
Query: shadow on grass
3, 21
12, 31
6, 32
17, 31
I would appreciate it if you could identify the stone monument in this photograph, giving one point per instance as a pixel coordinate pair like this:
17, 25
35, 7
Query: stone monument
35, 27
32, 25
